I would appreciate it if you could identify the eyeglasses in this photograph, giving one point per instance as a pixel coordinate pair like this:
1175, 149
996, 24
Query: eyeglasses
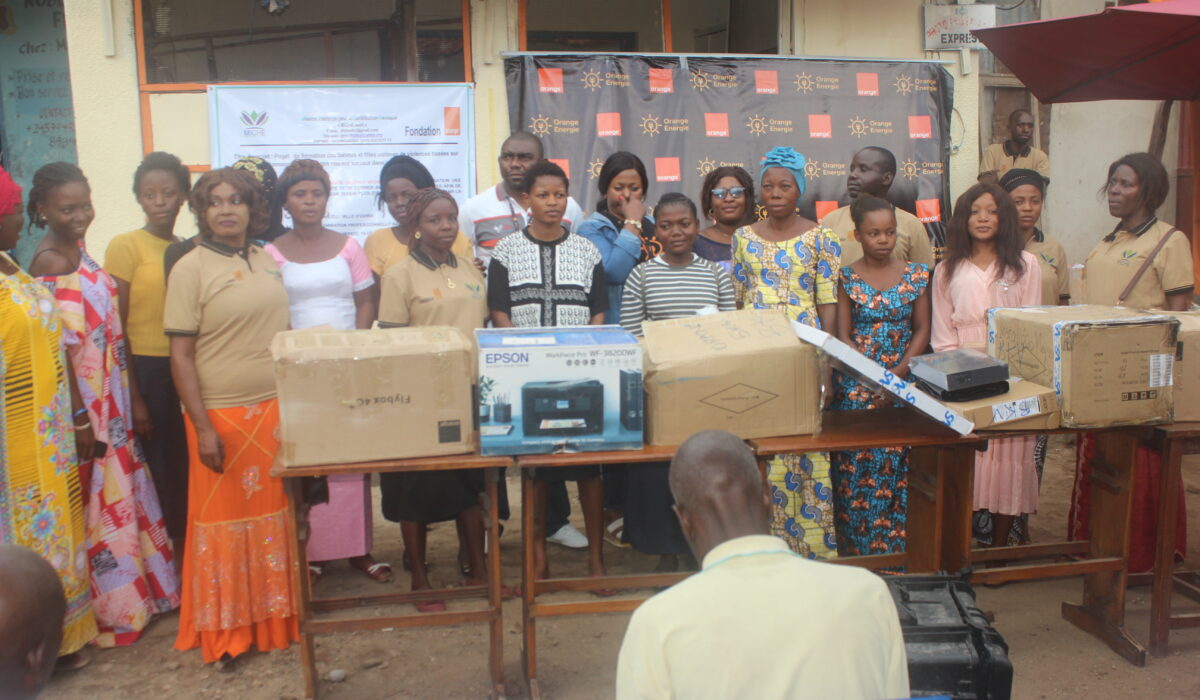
723, 192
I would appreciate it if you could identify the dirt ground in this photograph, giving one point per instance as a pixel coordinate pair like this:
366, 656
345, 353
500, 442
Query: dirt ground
1051, 658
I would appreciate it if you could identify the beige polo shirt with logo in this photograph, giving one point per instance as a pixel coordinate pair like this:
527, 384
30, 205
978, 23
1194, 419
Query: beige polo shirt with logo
233, 302
912, 243
1052, 258
998, 159
1119, 255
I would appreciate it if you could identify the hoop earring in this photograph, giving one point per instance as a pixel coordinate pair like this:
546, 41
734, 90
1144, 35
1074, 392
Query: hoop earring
417, 235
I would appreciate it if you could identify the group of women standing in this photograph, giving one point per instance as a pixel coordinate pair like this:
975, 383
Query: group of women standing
111, 482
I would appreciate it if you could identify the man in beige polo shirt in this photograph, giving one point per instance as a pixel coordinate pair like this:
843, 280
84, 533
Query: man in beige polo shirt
1017, 151
872, 171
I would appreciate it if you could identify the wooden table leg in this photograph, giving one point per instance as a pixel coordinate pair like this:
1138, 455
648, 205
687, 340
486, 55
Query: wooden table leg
1102, 612
956, 467
494, 583
1164, 555
528, 585
298, 544
923, 519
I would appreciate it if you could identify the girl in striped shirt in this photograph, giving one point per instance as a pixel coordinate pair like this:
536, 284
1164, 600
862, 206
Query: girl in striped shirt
673, 284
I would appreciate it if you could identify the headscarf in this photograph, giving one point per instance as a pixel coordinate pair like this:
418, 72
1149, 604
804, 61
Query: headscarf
1023, 176
787, 158
10, 193
262, 171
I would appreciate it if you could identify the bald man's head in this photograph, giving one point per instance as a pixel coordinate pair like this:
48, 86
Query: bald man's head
719, 492
32, 608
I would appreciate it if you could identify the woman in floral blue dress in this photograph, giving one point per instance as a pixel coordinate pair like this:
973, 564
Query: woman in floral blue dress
884, 312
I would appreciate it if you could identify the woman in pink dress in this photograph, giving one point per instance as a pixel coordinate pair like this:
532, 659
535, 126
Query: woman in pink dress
986, 267
129, 555
329, 283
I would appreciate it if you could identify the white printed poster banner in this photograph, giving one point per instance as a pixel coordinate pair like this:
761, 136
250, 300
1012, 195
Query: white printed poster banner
352, 130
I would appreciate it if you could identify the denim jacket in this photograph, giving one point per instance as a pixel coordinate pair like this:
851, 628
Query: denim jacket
620, 251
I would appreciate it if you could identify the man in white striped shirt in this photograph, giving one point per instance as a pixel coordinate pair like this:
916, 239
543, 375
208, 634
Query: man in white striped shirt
677, 282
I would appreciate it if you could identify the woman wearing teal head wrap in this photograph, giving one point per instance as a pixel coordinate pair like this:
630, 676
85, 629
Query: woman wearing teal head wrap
788, 262
790, 160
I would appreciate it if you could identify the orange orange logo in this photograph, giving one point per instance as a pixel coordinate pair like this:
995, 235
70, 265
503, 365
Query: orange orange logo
550, 80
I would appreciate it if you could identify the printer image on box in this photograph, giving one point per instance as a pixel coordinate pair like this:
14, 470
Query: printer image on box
547, 390
563, 408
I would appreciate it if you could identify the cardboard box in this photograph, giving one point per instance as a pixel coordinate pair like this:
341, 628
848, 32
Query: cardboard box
559, 390
358, 396
1108, 365
1187, 366
1025, 406
741, 371
848, 359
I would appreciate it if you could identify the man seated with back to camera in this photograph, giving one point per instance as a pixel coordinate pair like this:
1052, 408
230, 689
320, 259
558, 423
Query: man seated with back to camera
757, 621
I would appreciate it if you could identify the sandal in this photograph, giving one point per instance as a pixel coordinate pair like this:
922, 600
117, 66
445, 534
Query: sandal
614, 533
431, 606
377, 571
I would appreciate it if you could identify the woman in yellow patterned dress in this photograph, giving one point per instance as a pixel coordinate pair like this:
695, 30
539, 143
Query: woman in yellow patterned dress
788, 262
41, 504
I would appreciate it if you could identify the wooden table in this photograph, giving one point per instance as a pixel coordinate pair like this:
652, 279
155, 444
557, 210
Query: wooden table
307, 607
1173, 442
940, 508
531, 586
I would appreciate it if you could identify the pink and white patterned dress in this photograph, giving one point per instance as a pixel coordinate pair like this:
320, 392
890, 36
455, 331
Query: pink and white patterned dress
129, 555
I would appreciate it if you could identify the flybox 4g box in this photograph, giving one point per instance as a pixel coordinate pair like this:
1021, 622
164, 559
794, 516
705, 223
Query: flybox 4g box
575, 389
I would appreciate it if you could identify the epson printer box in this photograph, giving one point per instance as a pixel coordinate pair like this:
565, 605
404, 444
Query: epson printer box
559, 390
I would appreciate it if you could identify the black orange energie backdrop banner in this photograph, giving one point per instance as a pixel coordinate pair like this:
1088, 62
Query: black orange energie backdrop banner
686, 115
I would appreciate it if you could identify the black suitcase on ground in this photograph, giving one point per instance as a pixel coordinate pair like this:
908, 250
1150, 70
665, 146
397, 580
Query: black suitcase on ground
952, 650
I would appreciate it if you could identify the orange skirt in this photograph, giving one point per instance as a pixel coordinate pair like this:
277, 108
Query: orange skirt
237, 569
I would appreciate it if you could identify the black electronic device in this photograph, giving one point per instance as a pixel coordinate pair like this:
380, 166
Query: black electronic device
971, 393
562, 408
633, 402
962, 368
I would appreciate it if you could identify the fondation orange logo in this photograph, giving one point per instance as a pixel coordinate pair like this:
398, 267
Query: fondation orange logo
452, 121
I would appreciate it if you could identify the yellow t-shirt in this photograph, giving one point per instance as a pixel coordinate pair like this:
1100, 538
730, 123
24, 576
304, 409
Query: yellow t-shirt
912, 243
234, 303
1112, 263
137, 258
1052, 258
383, 250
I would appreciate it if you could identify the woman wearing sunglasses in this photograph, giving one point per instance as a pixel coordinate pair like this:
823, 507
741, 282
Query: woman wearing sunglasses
727, 199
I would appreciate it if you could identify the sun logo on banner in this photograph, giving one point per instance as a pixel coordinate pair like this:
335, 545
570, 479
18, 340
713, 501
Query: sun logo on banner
700, 80
651, 125
705, 166
540, 125
812, 169
591, 80
858, 127
757, 125
909, 170
594, 167
904, 84
804, 83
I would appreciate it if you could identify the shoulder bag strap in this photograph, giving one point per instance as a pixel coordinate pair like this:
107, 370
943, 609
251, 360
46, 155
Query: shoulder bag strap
1137, 276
